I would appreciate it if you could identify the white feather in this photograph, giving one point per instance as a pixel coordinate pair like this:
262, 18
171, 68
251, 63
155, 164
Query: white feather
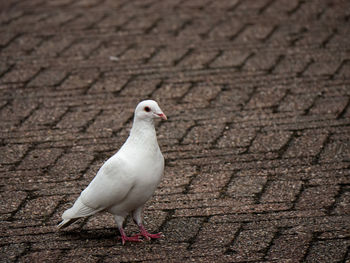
129, 178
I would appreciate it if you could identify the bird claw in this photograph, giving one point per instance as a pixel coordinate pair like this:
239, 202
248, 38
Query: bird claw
135, 238
157, 235
149, 236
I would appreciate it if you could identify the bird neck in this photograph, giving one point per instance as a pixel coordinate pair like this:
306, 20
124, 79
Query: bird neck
143, 131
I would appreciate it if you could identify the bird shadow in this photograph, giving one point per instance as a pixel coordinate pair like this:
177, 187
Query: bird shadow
93, 234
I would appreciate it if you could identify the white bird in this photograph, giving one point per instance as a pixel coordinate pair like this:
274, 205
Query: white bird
128, 179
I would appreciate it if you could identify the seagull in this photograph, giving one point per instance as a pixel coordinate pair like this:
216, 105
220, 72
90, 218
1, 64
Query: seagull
127, 179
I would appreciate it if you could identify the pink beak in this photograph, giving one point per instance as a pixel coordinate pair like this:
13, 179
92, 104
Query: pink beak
162, 115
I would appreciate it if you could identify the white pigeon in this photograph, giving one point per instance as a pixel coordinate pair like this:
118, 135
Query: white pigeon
128, 179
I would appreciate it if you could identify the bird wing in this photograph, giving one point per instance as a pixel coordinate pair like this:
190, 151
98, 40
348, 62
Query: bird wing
110, 186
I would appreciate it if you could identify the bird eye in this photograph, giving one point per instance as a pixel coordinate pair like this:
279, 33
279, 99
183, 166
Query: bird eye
147, 109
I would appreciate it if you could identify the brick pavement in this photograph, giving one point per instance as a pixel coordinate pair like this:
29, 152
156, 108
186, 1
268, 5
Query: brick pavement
256, 145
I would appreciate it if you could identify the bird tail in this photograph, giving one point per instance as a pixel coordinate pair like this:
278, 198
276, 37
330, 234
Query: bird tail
66, 222
78, 210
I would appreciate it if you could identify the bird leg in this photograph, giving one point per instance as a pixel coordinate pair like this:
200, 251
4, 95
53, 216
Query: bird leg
137, 216
125, 238
147, 235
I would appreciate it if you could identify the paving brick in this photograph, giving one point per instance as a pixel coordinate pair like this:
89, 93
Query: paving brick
77, 118
38, 208
234, 97
20, 75
147, 253
182, 228
71, 165
81, 49
108, 84
290, 247
22, 44
83, 258
198, 25
318, 196
178, 129
142, 87
17, 109
138, 53
272, 141
316, 37
199, 135
327, 251
255, 7
265, 98
325, 68
12, 251
263, 61
202, 94
209, 182
171, 176
83, 21
230, 58
141, 22
306, 145
48, 77
253, 240
294, 64
53, 46
342, 206
246, 185
7, 38
296, 102
208, 234
344, 70
225, 5
257, 32
332, 106
230, 27
40, 158
107, 50
43, 117
336, 150
110, 120
235, 137
48, 256
281, 191
12, 153
11, 200
171, 90
80, 79
168, 55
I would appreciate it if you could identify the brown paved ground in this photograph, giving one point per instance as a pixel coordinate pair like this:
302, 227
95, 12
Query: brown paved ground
257, 143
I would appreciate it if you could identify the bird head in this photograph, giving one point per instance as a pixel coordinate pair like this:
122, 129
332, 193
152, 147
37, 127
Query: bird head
149, 110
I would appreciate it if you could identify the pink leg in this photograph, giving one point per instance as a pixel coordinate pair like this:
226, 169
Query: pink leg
125, 238
147, 235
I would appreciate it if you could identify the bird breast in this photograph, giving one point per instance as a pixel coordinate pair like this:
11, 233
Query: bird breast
146, 179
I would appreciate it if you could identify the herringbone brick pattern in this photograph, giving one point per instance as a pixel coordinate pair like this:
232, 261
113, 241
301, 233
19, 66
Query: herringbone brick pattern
257, 143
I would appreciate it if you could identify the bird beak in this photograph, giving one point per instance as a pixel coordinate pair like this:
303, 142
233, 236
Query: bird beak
162, 115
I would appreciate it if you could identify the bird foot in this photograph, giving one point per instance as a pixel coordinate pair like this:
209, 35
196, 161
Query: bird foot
149, 236
125, 238
135, 238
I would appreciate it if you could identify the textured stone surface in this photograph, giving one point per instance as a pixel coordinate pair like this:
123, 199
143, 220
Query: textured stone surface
257, 142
